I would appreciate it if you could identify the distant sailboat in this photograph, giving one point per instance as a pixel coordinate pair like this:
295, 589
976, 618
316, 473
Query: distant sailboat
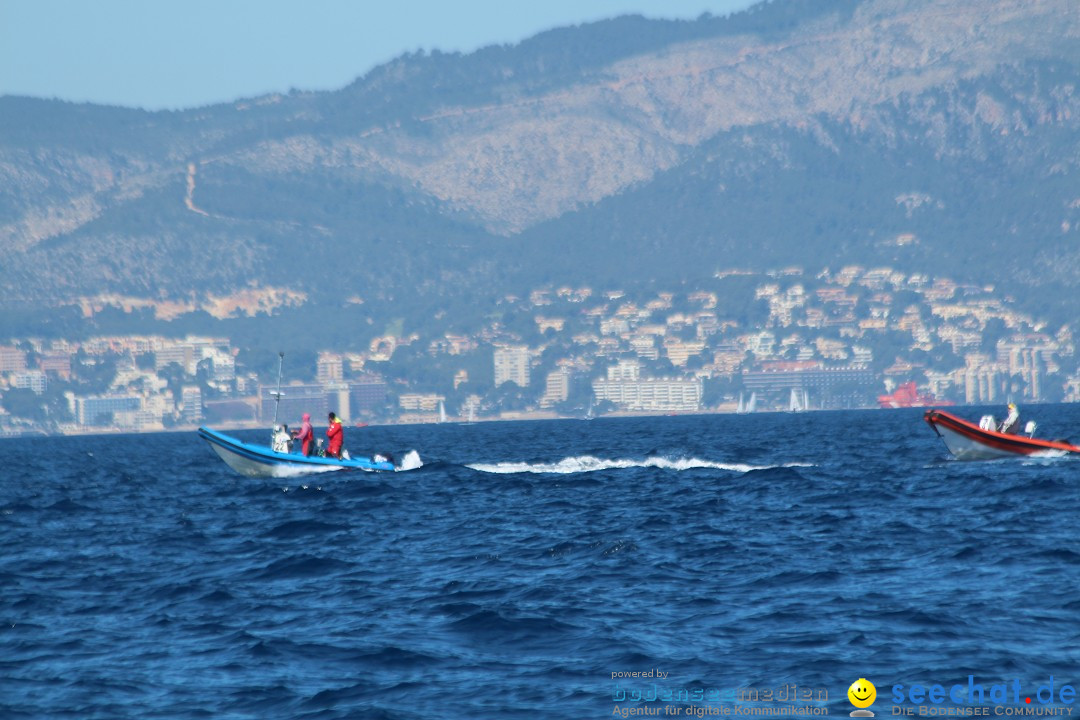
442, 412
797, 402
741, 409
752, 405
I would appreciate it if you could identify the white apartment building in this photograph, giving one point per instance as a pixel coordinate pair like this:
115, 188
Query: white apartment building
626, 388
557, 388
329, 369
624, 370
30, 380
512, 365
420, 402
651, 394
191, 404
222, 364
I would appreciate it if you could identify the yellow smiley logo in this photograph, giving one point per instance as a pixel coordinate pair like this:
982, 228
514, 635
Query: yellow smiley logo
862, 693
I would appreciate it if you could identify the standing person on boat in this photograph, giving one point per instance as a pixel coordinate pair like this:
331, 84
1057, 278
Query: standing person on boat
334, 437
305, 435
1011, 424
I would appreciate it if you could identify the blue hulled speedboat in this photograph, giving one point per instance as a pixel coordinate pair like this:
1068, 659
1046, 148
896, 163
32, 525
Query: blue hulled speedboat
261, 461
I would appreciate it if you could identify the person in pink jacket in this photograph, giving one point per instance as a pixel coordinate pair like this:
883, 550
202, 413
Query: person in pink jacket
305, 435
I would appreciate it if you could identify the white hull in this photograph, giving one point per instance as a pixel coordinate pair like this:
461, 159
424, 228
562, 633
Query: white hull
964, 448
254, 468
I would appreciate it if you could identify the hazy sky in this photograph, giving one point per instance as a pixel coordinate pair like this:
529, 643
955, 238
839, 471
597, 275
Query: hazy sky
185, 53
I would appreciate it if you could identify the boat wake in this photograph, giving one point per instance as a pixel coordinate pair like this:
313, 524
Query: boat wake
1050, 454
410, 461
293, 471
588, 463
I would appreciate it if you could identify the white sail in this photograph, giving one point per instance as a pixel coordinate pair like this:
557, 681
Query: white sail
752, 405
795, 402
742, 408
442, 412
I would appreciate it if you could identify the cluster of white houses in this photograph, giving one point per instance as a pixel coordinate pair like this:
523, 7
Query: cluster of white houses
141, 398
624, 385
819, 340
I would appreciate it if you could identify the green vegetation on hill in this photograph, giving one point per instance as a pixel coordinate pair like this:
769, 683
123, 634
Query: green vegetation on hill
985, 211
382, 200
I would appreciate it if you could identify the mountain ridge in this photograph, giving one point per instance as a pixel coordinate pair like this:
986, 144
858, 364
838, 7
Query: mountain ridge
448, 174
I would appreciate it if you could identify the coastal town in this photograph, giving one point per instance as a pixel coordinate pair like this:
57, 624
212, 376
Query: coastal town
794, 341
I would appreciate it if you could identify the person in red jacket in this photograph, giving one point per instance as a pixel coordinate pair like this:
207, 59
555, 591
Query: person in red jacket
334, 437
305, 435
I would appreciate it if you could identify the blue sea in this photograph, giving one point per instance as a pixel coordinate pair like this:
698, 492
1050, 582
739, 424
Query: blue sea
529, 568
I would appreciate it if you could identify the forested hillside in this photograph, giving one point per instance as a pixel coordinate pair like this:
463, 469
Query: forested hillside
933, 136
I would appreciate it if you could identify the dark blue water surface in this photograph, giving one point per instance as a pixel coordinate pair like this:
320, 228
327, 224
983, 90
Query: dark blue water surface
526, 562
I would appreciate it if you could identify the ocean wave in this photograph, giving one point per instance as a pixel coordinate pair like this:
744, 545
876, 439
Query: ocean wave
455, 593
1051, 454
296, 471
589, 463
301, 566
300, 528
410, 461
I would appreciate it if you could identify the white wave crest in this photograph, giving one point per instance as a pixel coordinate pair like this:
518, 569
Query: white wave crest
1049, 454
295, 471
411, 461
588, 463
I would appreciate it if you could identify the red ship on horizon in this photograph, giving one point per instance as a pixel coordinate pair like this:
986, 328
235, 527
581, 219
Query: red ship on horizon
908, 395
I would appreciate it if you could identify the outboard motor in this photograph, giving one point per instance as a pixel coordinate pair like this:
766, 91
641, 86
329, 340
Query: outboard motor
1030, 428
987, 422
